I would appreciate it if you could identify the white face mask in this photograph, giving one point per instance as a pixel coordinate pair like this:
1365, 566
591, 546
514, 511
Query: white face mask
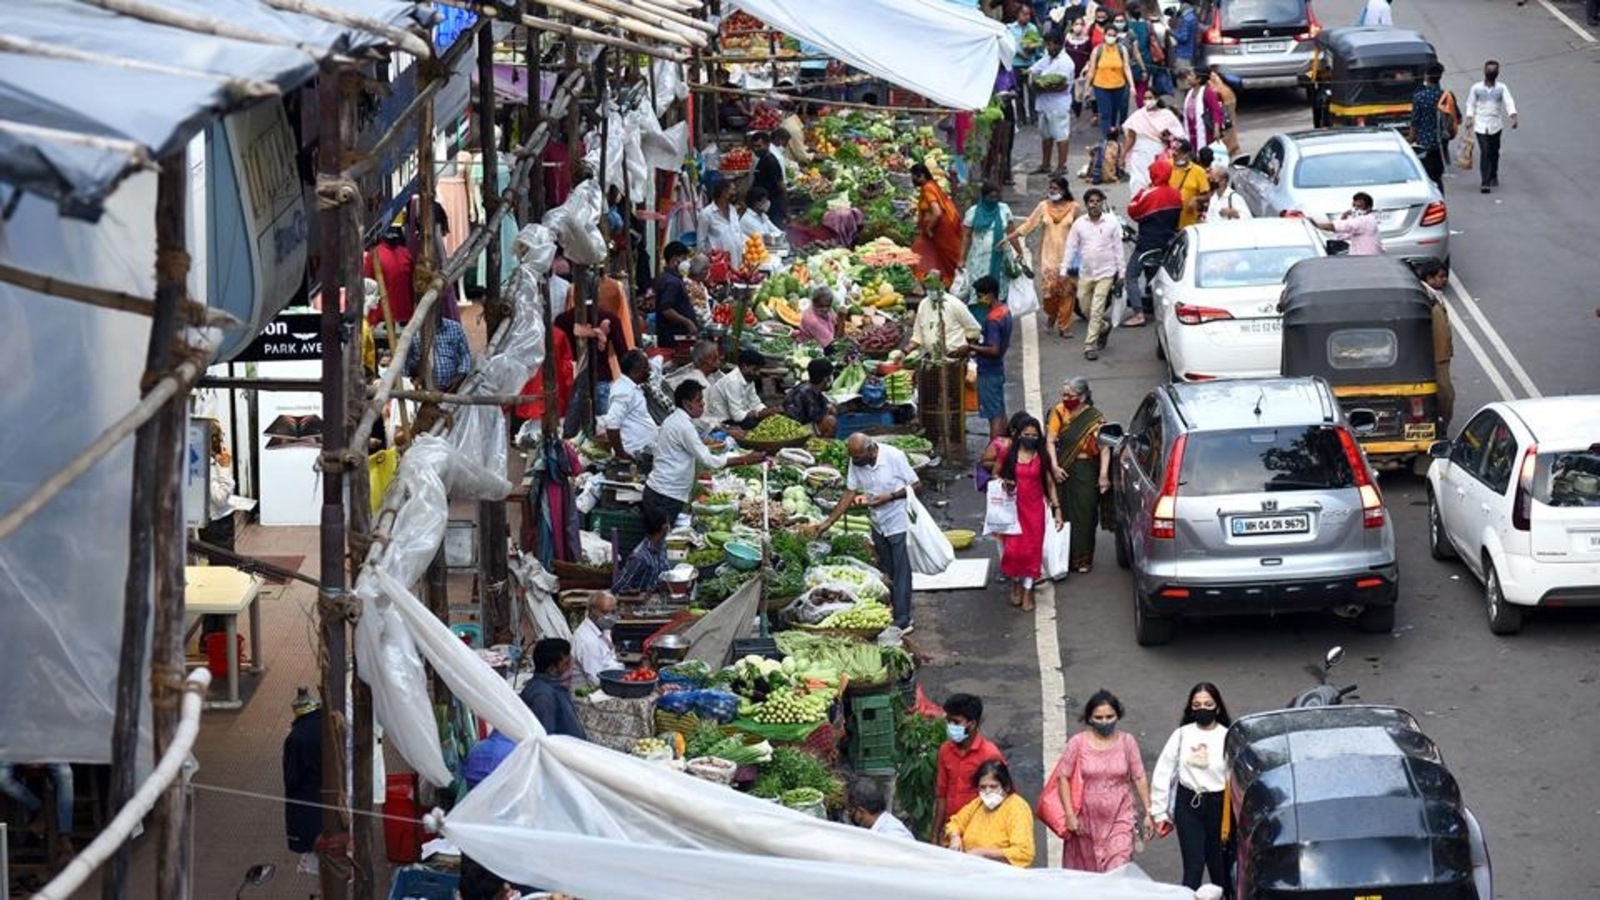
1055, 197
683, 267
1150, 103
992, 799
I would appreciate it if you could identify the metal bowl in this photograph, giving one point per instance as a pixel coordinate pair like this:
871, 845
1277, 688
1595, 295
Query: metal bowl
670, 648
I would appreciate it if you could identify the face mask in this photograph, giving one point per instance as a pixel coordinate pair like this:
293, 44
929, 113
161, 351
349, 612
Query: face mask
1150, 103
1104, 729
1205, 718
763, 206
1055, 197
1072, 402
683, 267
1029, 443
992, 799
607, 621
956, 733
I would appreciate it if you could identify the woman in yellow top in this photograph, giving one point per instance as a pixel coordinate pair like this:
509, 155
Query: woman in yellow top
1055, 215
998, 825
1111, 76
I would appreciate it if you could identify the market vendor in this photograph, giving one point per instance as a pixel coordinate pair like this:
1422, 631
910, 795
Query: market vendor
630, 429
549, 693
718, 228
880, 478
675, 319
808, 403
591, 642
733, 402
868, 808
642, 571
705, 367
820, 322
959, 327
756, 221
769, 175
678, 451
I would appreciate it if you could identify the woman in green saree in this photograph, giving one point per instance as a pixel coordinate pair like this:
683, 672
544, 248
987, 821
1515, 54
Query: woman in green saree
1082, 468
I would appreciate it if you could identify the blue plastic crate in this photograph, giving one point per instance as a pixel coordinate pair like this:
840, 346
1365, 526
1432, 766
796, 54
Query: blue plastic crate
424, 884
852, 422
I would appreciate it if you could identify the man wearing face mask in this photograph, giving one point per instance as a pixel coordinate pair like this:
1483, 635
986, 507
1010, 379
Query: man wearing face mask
630, 428
1096, 241
1489, 106
959, 758
1358, 226
755, 221
868, 808
549, 692
675, 319
591, 643
880, 478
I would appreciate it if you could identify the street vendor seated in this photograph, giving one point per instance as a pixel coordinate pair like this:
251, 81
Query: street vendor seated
641, 574
705, 367
733, 403
678, 450
755, 222
591, 642
808, 403
630, 428
821, 322
941, 309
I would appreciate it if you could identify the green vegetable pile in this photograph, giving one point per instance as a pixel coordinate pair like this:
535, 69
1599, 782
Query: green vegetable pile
898, 387
916, 765
829, 452
708, 740
713, 591
826, 658
869, 614
792, 769
792, 708
708, 556
779, 428
908, 443
855, 546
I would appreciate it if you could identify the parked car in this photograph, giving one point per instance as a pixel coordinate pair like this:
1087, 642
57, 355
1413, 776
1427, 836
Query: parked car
1216, 296
1516, 496
1249, 496
1261, 43
1315, 173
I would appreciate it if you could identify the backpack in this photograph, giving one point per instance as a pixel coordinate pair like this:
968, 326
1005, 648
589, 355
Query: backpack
1449, 116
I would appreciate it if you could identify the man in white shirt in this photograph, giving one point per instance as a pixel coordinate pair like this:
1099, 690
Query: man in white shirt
678, 450
868, 808
1489, 106
592, 648
1054, 106
630, 428
733, 402
881, 478
1096, 241
1377, 12
1225, 202
705, 366
755, 220
943, 317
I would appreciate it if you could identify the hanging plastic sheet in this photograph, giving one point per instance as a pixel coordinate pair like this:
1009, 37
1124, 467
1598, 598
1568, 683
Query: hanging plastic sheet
669, 82
576, 224
539, 588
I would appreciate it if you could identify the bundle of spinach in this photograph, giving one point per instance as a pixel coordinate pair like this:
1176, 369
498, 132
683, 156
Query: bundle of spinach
791, 769
916, 765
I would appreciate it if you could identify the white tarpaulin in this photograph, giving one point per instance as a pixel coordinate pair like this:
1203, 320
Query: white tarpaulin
945, 52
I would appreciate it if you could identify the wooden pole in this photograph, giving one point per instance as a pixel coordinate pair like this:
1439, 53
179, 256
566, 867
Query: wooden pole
428, 260
535, 193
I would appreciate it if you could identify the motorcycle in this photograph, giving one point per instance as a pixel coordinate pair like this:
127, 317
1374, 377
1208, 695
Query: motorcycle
1324, 694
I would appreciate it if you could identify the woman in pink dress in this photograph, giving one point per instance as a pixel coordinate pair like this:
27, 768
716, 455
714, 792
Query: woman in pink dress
1024, 473
1097, 767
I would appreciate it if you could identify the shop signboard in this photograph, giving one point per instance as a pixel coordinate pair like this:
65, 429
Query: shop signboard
290, 336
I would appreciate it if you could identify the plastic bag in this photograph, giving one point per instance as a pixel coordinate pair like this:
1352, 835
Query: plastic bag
1022, 298
1000, 515
819, 603
930, 550
1057, 550
1464, 155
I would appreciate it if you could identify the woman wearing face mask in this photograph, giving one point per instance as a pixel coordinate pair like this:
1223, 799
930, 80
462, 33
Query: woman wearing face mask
1144, 137
719, 224
1025, 474
1082, 468
1190, 777
1111, 76
938, 242
998, 825
1054, 215
984, 239
1096, 769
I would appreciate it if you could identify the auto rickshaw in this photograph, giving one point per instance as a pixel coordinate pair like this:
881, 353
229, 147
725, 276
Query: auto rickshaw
1365, 324
1366, 76
1348, 802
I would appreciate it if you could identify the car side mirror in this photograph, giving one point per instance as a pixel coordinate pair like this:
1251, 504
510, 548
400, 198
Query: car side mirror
1362, 421
1439, 450
1240, 162
1334, 657
1111, 435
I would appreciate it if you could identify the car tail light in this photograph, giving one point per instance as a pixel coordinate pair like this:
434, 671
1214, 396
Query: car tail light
1365, 583
1199, 315
1163, 524
1214, 33
1372, 515
1198, 376
1435, 214
1522, 505
1419, 412
1291, 214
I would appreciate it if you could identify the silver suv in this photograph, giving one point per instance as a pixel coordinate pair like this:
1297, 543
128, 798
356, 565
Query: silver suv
1249, 496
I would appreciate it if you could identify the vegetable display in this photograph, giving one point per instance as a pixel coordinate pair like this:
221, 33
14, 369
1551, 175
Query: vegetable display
791, 707
880, 338
858, 581
643, 673
908, 443
778, 428
862, 616
829, 452
792, 769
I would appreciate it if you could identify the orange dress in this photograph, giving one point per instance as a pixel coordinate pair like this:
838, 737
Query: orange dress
943, 250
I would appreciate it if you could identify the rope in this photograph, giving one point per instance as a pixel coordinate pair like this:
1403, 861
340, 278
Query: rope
172, 265
335, 193
339, 605
168, 684
346, 460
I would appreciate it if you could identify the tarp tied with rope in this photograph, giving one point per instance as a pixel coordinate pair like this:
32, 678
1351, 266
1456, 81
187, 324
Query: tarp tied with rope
94, 90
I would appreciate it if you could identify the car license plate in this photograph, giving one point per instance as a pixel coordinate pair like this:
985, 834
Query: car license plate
1420, 431
1260, 326
1246, 526
1594, 541
1390, 219
1266, 46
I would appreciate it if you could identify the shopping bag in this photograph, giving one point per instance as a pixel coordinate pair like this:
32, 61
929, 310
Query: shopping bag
1000, 515
1464, 155
1022, 297
1057, 549
929, 549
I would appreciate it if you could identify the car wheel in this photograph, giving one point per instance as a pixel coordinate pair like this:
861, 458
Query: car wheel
1376, 619
1504, 618
1124, 551
1149, 630
1438, 541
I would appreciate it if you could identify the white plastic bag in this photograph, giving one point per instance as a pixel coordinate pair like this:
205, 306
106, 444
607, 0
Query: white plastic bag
930, 550
1000, 516
1022, 298
1057, 549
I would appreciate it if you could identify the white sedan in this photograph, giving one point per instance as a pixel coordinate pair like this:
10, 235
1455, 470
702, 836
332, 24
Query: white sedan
1216, 296
1516, 496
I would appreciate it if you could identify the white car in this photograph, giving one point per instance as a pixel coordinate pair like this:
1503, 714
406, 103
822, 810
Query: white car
1516, 496
1216, 296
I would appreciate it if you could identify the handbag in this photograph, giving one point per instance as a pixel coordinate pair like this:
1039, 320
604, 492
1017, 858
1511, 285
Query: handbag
1464, 156
1022, 297
1049, 810
1000, 515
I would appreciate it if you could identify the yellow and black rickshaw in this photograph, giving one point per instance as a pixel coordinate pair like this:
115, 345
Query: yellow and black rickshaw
1365, 324
1365, 76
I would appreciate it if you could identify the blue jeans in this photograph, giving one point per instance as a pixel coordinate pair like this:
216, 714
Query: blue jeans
60, 773
1112, 104
602, 398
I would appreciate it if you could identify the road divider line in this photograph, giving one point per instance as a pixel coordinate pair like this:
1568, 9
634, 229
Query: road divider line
1052, 683
1483, 358
1494, 338
1566, 20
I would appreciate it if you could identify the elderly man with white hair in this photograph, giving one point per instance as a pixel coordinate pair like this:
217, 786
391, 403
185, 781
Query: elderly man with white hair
880, 479
592, 648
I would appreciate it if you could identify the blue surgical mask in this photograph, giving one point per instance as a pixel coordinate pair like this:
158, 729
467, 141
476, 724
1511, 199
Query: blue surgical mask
956, 733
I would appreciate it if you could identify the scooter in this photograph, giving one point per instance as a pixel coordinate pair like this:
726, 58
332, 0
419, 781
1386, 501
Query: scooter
1325, 694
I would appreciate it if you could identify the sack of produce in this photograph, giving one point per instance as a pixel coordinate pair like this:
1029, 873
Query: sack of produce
807, 800
864, 584
710, 768
818, 603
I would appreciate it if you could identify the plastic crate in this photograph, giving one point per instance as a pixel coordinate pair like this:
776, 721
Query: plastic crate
623, 527
767, 648
852, 422
424, 884
871, 755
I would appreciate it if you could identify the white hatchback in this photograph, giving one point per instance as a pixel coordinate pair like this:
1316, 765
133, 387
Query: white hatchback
1516, 495
1216, 296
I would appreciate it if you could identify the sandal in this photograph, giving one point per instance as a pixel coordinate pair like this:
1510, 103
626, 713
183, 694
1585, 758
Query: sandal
1065, 332
1137, 320
1027, 607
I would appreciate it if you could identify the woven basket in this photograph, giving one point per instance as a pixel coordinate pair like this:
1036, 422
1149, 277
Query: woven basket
773, 446
685, 724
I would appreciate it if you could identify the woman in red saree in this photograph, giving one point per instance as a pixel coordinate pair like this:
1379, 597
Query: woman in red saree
938, 242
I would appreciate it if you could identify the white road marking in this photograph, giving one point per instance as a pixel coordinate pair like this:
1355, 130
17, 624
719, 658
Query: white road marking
1052, 685
1499, 344
1471, 341
1566, 20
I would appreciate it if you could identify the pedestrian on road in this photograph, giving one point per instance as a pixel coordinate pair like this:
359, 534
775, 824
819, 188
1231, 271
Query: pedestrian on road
1357, 226
880, 478
1099, 764
997, 824
1429, 128
1434, 278
960, 756
1078, 44
1055, 215
1187, 785
302, 779
995, 454
1156, 209
1185, 37
938, 242
1096, 241
1080, 466
1029, 44
1489, 106
1145, 135
1230, 105
549, 692
984, 241
1191, 180
1111, 76
1026, 475
1225, 202
991, 353
1053, 101
1204, 116
1377, 12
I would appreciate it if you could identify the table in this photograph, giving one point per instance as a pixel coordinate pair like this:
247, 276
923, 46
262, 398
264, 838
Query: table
226, 591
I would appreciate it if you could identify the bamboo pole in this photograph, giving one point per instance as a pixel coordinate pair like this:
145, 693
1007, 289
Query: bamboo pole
428, 260
573, 32
138, 154
595, 12
639, 8
399, 37
811, 101
214, 27
190, 312
240, 88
